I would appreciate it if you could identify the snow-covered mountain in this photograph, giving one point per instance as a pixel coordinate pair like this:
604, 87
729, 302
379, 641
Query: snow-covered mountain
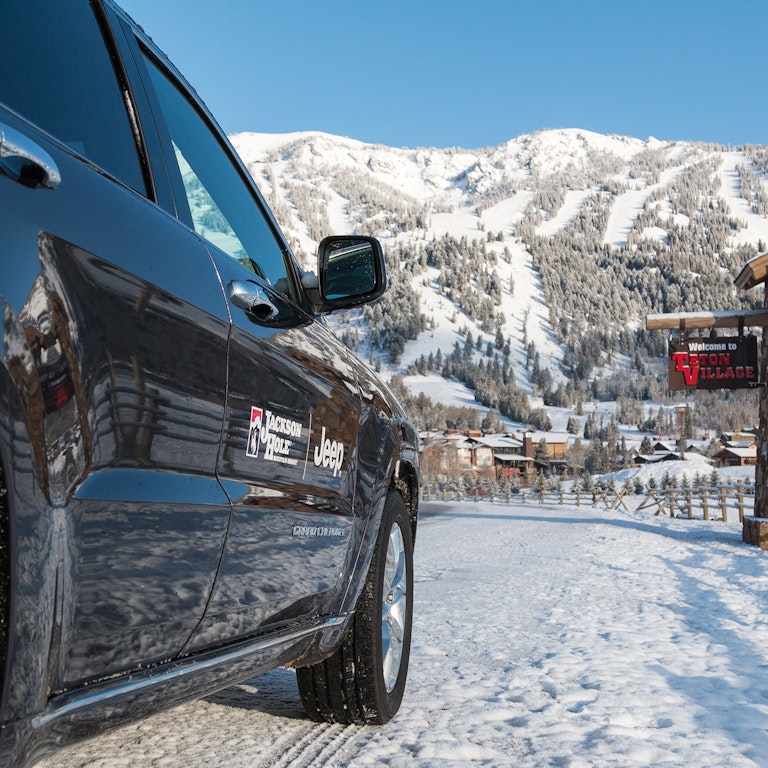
555, 244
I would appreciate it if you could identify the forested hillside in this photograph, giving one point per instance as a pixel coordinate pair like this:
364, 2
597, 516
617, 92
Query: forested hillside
526, 270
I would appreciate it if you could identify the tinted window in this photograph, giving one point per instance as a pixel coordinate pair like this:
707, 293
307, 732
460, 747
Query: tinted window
56, 71
223, 207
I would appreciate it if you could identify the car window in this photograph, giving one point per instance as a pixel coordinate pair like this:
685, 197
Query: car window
224, 210
57, 73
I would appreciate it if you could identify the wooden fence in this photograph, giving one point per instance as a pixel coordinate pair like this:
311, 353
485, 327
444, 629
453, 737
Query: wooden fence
706, 503
709, 503
611, 499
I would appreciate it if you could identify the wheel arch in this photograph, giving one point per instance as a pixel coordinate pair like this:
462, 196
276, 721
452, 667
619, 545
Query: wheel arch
406, 482
25, 552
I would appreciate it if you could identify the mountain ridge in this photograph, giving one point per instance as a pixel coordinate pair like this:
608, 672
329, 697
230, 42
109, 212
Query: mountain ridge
563, 239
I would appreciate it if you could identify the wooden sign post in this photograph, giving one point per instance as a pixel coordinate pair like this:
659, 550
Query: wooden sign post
755, 272
755, 530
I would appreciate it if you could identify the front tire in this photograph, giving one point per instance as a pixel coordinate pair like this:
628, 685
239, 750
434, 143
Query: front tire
364, 681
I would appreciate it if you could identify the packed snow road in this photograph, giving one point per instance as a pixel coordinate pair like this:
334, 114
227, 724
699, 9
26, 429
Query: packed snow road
544, 636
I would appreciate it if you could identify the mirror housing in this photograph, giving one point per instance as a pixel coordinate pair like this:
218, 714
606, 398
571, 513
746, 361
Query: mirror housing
351, 272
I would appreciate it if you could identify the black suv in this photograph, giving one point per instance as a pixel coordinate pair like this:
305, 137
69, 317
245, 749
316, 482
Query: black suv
198, 482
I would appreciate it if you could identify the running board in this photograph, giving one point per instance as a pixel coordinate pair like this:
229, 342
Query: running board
101, 707
102, 693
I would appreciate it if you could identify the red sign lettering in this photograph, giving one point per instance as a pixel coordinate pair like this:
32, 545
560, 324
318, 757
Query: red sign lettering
719, 363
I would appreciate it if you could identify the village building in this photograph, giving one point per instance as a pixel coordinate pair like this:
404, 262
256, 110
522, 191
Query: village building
737, 457
514, 456
738, 449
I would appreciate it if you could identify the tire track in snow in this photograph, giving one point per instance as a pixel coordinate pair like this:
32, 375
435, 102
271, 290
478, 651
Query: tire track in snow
318, 746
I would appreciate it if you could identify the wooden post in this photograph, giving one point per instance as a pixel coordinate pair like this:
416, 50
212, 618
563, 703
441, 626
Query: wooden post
705, 503
761, 470
755, 527
740, 503
724, 505
754, 273
689, 502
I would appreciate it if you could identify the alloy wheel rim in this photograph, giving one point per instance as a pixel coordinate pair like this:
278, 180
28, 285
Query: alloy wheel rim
394, 607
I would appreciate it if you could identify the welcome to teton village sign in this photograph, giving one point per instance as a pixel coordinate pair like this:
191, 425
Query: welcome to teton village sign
728, 362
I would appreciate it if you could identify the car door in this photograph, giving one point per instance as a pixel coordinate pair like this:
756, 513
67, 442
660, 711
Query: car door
115, 333
289, 452
289, 462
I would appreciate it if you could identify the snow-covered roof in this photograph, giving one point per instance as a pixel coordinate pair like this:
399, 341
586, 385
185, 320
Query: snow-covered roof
552, 437
499, 441
501, 456
742, 453
734, 444
653, 458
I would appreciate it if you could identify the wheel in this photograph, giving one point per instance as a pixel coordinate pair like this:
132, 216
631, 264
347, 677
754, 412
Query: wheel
363, 682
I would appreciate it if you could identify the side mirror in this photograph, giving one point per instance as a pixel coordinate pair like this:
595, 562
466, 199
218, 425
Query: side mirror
351, 271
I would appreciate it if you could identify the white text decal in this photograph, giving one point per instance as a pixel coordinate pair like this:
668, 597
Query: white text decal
329, 453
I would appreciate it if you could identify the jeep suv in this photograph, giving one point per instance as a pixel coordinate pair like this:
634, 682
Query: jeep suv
198, 482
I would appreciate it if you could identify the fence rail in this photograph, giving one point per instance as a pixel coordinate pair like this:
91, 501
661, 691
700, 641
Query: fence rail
707, 503
712, 503
611, 499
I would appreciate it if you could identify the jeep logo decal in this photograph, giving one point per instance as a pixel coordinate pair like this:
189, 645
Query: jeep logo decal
329, 454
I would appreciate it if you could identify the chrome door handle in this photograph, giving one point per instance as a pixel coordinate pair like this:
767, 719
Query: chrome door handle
253, 299
25, 161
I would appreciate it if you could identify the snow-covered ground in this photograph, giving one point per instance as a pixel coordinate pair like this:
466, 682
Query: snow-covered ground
544, 636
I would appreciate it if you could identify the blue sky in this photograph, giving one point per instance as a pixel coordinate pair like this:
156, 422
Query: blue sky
475, 73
